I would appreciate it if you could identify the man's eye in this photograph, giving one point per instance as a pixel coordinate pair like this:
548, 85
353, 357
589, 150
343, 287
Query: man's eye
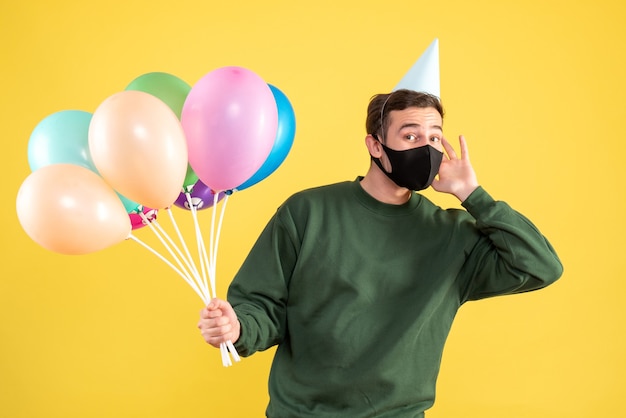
411, 137
435, 139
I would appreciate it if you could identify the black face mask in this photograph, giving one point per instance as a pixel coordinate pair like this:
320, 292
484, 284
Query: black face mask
413, 168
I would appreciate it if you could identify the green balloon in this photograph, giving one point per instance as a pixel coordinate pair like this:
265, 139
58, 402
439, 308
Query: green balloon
170, 89
190, 179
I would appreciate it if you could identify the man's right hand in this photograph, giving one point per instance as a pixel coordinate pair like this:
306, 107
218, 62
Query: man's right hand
218, 323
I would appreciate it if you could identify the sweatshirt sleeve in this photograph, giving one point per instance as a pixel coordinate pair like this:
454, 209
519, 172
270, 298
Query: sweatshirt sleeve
511, 255
259, 291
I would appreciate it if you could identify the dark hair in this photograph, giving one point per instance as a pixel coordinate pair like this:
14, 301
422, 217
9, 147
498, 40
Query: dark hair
382, 104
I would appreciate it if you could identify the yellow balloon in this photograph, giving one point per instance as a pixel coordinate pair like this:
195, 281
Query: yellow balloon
138, 145
69, 209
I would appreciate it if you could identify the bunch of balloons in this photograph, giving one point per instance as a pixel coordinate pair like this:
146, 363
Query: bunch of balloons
144, 149
158, 144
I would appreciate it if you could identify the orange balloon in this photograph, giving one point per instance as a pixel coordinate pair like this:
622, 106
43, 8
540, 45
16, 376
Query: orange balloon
69, 209
138, 145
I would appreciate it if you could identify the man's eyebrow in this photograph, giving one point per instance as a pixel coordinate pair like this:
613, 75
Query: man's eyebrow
417, 125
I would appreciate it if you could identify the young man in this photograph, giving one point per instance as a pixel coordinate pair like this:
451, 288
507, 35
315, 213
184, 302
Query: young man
358, 282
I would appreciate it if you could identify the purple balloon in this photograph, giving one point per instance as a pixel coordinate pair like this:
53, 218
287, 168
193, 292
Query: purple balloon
202, 197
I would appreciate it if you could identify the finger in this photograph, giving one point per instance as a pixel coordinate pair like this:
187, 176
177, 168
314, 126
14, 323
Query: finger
215, 341
221, 322
449, 149
212, 338
464, 150
214, 327
217, 304
204, 324
207, 313
216, 330
215, 313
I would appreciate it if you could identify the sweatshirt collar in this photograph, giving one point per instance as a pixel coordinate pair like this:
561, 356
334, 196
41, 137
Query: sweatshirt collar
384, 208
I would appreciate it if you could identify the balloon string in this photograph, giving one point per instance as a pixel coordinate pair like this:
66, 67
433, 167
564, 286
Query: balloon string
205, 260
189, 258
224, 348
217, 238
184, 276
225, 358
180, 265
189, 263
201, 281
200, 243
227, 347
233, 350
208, 264
212, 241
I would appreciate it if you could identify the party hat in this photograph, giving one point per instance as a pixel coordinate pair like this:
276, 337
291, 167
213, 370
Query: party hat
424, 74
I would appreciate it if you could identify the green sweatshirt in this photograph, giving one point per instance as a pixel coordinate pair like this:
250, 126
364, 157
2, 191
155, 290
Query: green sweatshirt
360, 295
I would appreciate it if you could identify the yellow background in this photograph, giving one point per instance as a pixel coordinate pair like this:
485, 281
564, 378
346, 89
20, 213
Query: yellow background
538, 88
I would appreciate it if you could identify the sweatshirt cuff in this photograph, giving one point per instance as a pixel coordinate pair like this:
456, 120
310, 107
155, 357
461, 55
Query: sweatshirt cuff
478, 201
241, 343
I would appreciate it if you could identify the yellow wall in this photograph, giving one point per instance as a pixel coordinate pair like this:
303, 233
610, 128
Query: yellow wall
538, 88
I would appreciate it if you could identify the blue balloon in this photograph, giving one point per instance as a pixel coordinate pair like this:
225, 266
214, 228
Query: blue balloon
63, 138
285, 133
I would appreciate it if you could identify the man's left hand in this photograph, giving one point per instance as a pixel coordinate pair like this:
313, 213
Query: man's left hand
456, 175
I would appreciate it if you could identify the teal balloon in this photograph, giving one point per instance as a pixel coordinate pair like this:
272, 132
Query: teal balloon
59, 138
285, 134
129, 205
63, 138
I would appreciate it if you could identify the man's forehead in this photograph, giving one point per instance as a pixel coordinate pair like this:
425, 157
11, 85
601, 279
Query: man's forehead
427, 117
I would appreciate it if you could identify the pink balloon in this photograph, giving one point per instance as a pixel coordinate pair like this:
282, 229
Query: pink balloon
138, 145
230, 120
137, 221
69, 209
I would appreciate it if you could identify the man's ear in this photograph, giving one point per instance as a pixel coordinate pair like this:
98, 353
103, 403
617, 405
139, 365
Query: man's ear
373, 146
